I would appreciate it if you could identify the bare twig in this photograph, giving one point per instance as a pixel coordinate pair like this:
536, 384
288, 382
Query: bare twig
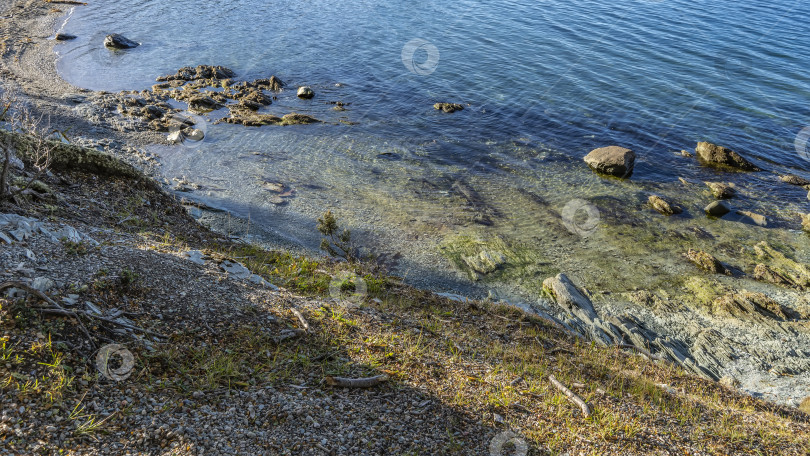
304, 324
586, 411
126, 325
56, 310
367, 382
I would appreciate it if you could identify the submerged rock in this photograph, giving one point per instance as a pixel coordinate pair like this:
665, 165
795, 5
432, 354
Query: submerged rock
305, 92
717, 209
752, 217
613, 160
706, 261
485, 262
663, 206
793, 179
764, 273
116, 41
721, 190
64, 37
805, 222
714, 155
448, 107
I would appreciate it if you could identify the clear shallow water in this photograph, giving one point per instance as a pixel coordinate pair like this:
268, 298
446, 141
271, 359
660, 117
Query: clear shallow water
544, 82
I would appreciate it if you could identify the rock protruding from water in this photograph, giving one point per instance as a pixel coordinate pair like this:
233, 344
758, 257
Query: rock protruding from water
721, 190
717, 209
706, 261
764, 273
64, 37
793, 179
448, 107
612, 160
663, 206
714, 155
305, 92
805, 222
116, 41
199, 72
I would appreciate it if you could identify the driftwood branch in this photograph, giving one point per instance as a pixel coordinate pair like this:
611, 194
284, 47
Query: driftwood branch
56, 308
586, 411
642, 351
301, 319
367, 382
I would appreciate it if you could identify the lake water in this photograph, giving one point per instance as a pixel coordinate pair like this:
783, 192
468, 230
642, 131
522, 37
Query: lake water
542, 82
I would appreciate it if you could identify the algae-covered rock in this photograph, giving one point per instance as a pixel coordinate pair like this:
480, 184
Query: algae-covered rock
704, 291
448, 107
765, 274
793, 179
706, 261
717, 209
805, 222
485, 262
748, 305
305, 92
721, 190
663, 206
203, 103
796, 273
718, 156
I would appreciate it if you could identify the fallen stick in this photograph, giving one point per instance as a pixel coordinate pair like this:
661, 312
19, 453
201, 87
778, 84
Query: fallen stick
57, 310
304, 324
642, 351
571, 396
367, 382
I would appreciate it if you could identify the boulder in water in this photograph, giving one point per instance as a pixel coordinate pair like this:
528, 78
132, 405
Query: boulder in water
612, 160
714, 155
116, 41
717, 209
721, 190
448, 107
663, 206
305, 92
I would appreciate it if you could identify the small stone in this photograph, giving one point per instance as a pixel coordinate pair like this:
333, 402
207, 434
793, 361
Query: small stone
64, 37
305, 92
717, 209
721, 190
729, 382
805, 405
175, 137
686, 153
706, 261
663, 206
42, 284
196, 135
